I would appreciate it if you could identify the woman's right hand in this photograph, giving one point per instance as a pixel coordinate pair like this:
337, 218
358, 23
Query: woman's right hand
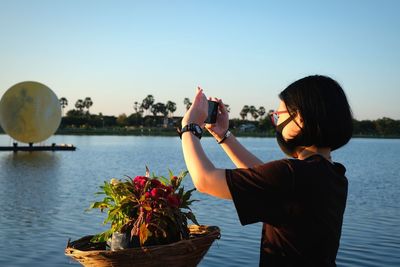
219, 128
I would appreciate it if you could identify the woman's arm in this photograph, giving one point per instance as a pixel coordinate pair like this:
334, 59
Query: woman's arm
205, 176
239, 155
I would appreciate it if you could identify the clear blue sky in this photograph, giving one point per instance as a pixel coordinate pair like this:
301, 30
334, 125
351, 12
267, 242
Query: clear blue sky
244, 52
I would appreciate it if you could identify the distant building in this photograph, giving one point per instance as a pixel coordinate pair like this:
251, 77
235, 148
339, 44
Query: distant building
248, 127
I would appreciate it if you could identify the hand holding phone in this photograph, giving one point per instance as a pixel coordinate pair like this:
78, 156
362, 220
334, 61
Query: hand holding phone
212, 112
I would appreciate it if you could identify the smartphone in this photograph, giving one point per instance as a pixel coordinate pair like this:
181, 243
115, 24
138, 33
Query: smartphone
212, 112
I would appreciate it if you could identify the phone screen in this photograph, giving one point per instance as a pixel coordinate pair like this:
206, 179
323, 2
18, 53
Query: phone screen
212, 112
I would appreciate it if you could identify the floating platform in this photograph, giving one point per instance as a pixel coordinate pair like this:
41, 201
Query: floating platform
31, 147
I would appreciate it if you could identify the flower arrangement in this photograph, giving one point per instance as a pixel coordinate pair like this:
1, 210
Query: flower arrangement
150, 210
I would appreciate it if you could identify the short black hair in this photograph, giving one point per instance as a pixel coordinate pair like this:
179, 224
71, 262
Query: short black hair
323, 106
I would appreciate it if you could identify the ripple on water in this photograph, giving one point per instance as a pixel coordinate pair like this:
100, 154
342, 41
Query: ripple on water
43, 198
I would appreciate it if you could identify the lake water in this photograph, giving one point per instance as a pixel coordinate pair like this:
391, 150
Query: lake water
43, 196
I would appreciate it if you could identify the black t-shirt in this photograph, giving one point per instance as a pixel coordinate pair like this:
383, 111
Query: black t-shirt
300, 202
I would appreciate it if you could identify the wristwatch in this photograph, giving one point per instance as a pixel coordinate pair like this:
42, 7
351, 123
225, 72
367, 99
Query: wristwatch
226, 135
193, 128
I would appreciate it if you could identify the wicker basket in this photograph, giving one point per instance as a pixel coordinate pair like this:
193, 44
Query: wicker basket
182, 253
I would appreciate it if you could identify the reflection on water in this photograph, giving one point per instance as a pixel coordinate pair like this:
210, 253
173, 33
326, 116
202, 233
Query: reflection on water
28, 194
29, 184
43, 196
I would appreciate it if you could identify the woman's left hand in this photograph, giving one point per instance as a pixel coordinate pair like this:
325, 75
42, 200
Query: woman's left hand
198, 111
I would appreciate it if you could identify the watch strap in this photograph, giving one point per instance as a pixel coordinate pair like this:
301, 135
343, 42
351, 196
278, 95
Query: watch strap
195, 129
226, 135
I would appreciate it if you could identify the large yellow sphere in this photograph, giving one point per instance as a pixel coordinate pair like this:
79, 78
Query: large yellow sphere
30, 112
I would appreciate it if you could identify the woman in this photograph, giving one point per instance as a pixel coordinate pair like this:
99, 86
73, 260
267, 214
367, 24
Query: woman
301, 199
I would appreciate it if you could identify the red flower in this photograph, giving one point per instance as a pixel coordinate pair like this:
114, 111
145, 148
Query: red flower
155, 183
168, 190
139, 178
173, 200
155, 193
147, 195
140, 181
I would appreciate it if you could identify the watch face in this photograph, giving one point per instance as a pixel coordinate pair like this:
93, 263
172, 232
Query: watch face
197, 129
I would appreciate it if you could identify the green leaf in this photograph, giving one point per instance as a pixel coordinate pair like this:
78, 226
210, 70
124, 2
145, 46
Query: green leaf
107, 189
188, 194
164, 180
180, 192
98, 205
129, 178
102, 237
171, 174
191, 217
183, 173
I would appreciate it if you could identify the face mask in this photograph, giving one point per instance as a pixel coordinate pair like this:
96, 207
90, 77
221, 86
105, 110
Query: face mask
287, 146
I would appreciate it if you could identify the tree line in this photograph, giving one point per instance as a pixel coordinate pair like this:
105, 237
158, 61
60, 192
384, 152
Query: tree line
149, 113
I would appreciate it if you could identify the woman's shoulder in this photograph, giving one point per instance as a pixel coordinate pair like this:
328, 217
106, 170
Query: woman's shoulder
292, 164
283, 166
314, 165
278, 163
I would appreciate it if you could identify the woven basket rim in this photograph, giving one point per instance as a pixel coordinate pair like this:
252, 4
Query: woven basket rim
198, 232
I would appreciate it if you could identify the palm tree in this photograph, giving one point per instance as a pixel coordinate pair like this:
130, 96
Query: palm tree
87, 103
162, 108
255, 115
243, 114
136, 106
79, 105
171, 107
253, 112
159, 108
63, 104
147, 102
261, 111
187, 103
244, 111
154, 110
